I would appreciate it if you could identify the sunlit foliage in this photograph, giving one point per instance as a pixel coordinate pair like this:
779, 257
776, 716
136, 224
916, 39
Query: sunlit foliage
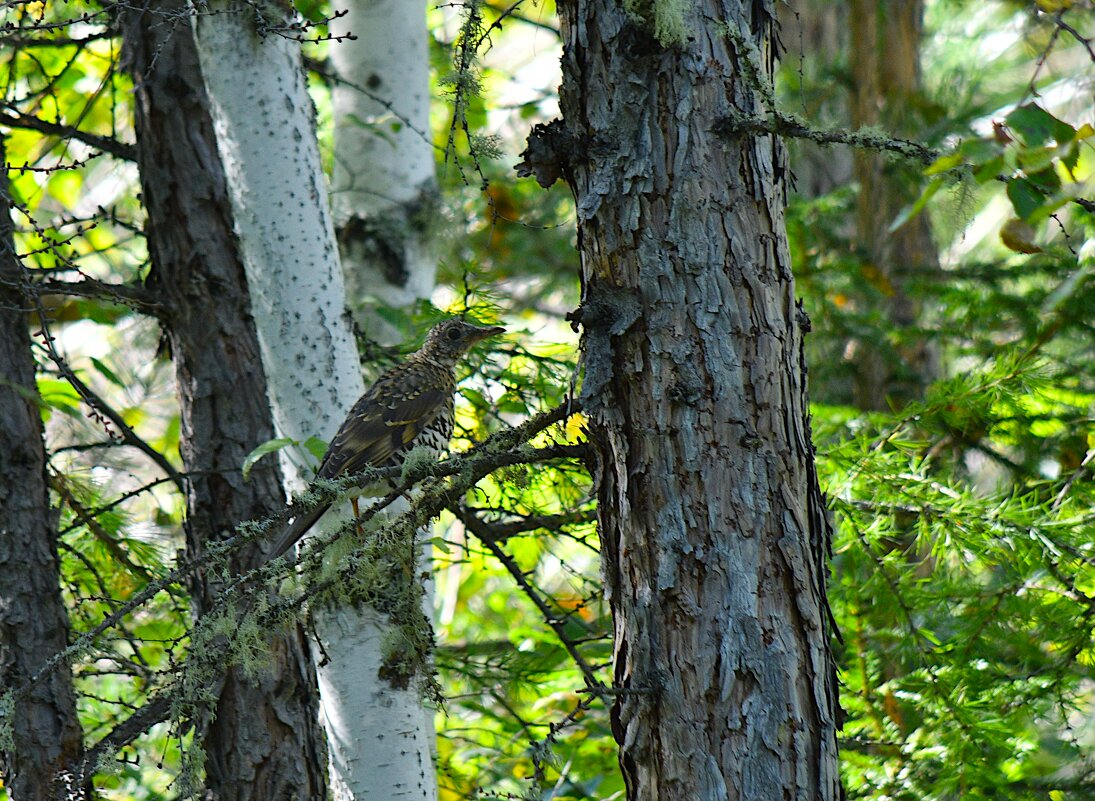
964, 563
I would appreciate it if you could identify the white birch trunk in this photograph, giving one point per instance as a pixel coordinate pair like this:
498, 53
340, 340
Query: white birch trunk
378, 737
264, 119
384, 190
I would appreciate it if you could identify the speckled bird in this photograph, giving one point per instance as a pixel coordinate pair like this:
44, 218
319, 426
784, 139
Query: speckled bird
409, 405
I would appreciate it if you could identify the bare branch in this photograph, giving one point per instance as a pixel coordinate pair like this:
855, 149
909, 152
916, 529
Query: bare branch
101, 410
551, 617
107, 144
135, 297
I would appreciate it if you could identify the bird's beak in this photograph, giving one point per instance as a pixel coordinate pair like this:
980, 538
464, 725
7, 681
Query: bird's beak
491, 331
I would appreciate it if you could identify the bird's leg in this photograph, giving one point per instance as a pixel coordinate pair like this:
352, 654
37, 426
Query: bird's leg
357, 523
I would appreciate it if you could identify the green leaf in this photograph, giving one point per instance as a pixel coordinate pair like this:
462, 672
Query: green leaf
989, 170
56, 394
270, 446
945, 163
1037, 159
1036, 126
1025, 197
915, 208
316, 446
1045, 180
978, 151
107, 373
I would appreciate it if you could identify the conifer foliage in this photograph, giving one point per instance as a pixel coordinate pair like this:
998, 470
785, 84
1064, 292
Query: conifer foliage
963, 556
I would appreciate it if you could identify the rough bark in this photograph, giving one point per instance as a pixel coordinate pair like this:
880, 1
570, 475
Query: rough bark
384, 193
265, 135
265, 741
713, 527
885, 50
46, 740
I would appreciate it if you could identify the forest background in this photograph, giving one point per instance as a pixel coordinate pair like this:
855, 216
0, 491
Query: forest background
941, 231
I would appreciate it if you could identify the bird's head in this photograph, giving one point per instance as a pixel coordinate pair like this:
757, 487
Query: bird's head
451, 339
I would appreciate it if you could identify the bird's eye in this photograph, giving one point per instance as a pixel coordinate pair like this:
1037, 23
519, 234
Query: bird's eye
454, 334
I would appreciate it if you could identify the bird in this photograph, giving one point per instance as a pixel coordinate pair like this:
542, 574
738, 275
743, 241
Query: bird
409, 405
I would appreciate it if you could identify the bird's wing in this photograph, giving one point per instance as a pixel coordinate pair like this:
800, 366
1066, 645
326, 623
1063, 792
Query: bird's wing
395, 410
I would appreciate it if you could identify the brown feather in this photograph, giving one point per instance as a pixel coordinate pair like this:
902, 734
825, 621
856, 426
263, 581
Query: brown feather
404, 402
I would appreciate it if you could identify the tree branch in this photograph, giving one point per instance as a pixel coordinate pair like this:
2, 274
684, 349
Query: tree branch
107, 144
467, 468
135, 297
782, 124
484, 534
502, 531
102, 411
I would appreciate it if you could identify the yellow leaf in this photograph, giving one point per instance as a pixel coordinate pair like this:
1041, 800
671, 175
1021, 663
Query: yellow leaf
576, 428
1053, 6
1019, 236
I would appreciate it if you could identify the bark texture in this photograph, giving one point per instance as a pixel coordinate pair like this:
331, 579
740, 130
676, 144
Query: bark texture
265, 741
265, 133
885, 53
46, 736
713, 527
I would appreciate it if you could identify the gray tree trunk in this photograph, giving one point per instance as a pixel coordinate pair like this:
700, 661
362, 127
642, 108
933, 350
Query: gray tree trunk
46, 738
885, 53
265, 741
713, 527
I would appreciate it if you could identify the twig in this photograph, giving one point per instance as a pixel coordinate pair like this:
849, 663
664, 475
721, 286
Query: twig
484, 535
133, 296
470, 467
101, 410
783, 124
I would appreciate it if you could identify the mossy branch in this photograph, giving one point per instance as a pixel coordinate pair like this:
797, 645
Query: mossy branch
783, 124
441, 481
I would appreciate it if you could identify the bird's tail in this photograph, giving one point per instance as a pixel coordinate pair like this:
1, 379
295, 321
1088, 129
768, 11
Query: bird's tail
297, 529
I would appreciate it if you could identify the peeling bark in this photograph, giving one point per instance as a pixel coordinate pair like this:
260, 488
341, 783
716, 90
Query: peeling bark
46, 737
265, 741
713, 527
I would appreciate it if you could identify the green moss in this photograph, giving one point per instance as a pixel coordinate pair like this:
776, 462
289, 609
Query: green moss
666, 20
7, 718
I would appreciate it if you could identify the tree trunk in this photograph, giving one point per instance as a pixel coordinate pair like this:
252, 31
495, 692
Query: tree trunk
385, 197
265, 134
46, 740
265, 127
815, 33
885, 52
265, 741
384, 192
713, 527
